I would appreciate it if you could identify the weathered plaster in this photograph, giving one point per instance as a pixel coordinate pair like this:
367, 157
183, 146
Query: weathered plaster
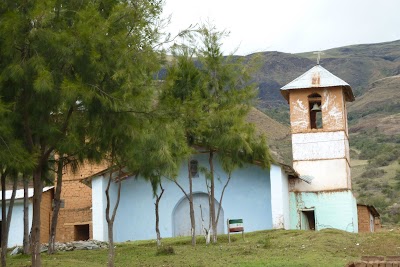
320, 145
333, 112
332, 209
327, 175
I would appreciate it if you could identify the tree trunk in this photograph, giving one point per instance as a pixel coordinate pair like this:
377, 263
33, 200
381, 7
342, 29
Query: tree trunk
37, 199
3, 215
191, 208
158, 198
111, 249
6, 221
26, 215
212, 198
4, 227
110, 221
203, 226
220, 200
57, 204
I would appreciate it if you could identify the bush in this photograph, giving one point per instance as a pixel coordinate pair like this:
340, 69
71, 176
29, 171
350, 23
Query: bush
373, 173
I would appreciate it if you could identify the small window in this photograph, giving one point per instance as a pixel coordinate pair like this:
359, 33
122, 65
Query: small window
194, 168
314, 103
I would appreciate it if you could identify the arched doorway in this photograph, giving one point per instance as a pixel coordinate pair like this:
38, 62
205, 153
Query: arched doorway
181, 216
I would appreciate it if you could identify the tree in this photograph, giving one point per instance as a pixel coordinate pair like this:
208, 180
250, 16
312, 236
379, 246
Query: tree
13, 158
214, 98
72, 57
181, 96
229, 98
25, 242
162, 151
6, 216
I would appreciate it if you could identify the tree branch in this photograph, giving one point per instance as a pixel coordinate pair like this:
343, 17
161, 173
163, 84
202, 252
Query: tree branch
183, 190
220, 199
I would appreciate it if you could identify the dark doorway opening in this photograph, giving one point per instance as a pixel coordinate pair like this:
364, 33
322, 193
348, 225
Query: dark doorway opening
308, 220
81, 232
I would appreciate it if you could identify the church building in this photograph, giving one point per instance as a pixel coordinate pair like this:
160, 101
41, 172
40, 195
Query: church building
314, 194
308, 187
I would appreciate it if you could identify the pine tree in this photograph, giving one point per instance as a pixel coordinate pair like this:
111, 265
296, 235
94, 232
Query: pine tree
182, 98
213, 98
64, 58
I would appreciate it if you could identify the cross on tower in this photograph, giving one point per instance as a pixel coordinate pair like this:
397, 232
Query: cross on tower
318, 53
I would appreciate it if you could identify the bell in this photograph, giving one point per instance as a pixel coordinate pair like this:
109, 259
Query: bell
316, 107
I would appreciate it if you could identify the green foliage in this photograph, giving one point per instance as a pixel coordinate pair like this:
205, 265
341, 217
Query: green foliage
77, 77
378, 149
373, 173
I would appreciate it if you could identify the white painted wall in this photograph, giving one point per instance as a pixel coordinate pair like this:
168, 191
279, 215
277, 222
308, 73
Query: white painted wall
99, 201
319, 145
248, 196
279, 198
16, 234
328, 175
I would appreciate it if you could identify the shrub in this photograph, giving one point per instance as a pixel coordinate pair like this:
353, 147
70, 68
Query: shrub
373, 173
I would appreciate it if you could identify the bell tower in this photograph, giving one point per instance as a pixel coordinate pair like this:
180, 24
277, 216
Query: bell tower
322, 196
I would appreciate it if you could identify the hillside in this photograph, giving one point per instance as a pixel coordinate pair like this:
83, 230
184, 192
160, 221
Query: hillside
278, 135
358, 65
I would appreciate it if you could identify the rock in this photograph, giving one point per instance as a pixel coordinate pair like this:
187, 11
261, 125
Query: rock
16, 251
43, 249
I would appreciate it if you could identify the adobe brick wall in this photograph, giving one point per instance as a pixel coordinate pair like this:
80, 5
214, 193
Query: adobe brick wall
78, 202
363, 219
45, 214
376, 261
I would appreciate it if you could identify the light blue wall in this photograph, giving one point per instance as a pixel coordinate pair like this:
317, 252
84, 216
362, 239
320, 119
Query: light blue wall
248, 196
16, 234
332, 209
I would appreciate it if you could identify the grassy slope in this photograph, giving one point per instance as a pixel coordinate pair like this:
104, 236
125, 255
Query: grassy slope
379, 107
266, 248
278, 135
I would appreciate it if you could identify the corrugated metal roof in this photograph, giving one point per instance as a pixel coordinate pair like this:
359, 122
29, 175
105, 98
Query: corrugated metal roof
317, 77
19, 194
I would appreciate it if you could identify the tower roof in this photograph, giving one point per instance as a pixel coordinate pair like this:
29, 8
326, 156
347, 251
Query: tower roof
317, 77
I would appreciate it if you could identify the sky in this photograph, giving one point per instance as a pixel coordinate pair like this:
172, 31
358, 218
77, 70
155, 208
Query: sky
291, 26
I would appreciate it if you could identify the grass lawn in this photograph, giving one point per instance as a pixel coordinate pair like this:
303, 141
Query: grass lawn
264, 248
